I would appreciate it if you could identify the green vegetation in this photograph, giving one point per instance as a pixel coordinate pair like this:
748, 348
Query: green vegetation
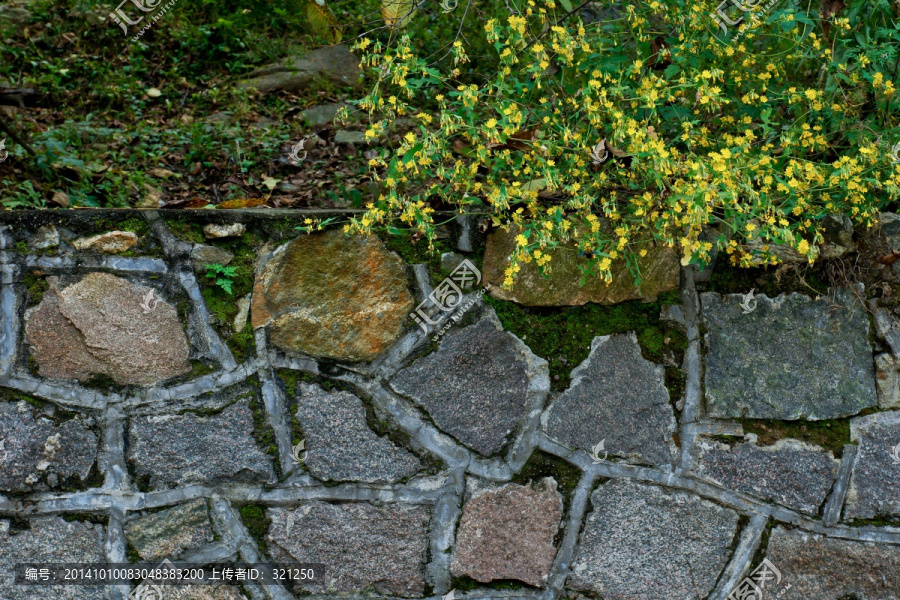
35, 286
540, 465
831, 435
222, 276
257, 523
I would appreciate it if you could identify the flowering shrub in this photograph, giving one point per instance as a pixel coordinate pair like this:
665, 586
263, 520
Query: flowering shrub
647, 127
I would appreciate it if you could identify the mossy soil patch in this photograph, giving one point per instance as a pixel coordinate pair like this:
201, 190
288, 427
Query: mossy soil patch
831, 434
257, 523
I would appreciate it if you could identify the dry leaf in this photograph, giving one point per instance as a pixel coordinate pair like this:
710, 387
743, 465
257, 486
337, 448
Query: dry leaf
323, 21
242, 203
61, 199
396, 13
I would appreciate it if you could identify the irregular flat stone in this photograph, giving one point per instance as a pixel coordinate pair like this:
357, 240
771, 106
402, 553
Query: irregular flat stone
188, 448
101, 325
243, 313
890, 229
50, 540
832, 569
333, 296
339, 444
660, 271
335, 63
323, 114
619, 397
451, 260
170, 532
476, 385
45, 237
790, 473
360, 546
345, 136
215, 231
875, 479
112, 242
642, 542
507, 533
887, 380
791, 358
203, 255
35, 454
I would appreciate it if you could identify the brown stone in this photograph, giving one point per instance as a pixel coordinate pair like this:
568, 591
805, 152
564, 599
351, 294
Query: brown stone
112, 242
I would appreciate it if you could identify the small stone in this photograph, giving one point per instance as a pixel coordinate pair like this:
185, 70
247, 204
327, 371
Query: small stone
643, 542
335, 63
344, 136
890, 230
826, 568
322, 114
113, 242
450, 260
619, 397
204, 255
243, 313
168, 533
214, 231
507, 533
361, 546
875, 478
45, 237
181, 449
339, 444
887, 380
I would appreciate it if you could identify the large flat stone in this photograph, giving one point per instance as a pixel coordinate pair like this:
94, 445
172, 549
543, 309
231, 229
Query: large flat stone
333, 296
180, 449
791, 358
335, 63
875, 479
339, 444
619, 397
360, 545
660, 271
37, 455
477, 385
170, 532
507, 533
789, 472
823, 568
50, 540
101, 325
642, 542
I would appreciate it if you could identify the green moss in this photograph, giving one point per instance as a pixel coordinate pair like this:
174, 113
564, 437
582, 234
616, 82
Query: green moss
35, 287
22, 247
415, 251
831, 435
199, 369
804, 279
135, 225
264, 434
242, 344
185, 229
540, 465
256, 522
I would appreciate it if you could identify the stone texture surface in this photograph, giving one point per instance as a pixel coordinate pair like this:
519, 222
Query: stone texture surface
475, 385
507, 533
50, 540
335, 63
833, 569
660, 271
791, 358
789, 472
642, 542
98, 326
323, 114
45, 237
360, 545
203, 254
875, 479
887, 380
201, 592
215, 231
339, 444
347, 136
333, 296
168, 533
618, 396
112, 242
188, 448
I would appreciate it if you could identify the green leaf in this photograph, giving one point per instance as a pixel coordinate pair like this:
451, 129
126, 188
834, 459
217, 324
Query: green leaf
566, 4
788, 25
323, 21
397, 13
671, 71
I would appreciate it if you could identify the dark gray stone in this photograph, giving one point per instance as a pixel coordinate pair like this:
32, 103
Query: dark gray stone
339, 444
170, 532
179, 449
335, 63
642, 542
618, 396
791, 358
322, 114
45, 237
203, 255
346, 136
875, 479
789, 472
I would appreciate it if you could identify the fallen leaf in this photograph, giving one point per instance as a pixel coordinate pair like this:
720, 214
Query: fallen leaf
397, 13
152, 199
163, 173
242, 203
61, 199
154, 93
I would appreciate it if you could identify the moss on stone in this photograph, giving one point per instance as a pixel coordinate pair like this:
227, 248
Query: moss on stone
415, 251
257, 523
262, 432
830, 434
22, 247
804, 279
185, 229
135, 225
35, 287
540, 465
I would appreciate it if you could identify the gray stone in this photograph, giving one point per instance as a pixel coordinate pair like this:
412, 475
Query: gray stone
180, 449
450, 260
789, 472
243, 313
887, 328
875, 479
890, 230
323, 114
345, 136
339, 444
791, 358
619, 397
642, 542
507, 533
168, 533
821, 568
204, 255
45, 237
50, 540
215, 231
112, 242
360, 545
15, 15
335, 63
887, 380
475, 385
32, 449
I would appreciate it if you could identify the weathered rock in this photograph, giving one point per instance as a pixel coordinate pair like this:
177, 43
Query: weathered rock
335, 63
35, 453
791, 358
789, 472
102, 325
50, 540
360, 546
203, 255
16, 15
45, 237
660, 272
345, 136
323, 114
875, 478
643, 542
451, 260
243, 313
888, 329
507, 533
215, 231
619, 397
112, 242
170, 532
887, 380
890, 230
180, 449
339, 444
476, 385
333, 296
833, 569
